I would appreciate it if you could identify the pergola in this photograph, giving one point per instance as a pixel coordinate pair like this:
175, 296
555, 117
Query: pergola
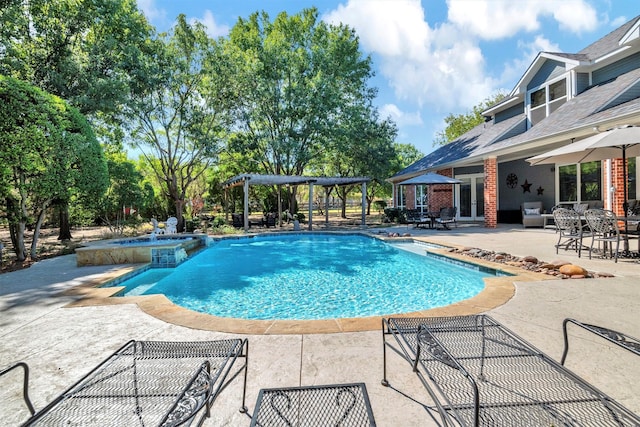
327, 182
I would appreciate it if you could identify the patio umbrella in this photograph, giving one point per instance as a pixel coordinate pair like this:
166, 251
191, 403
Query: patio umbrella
615, 143
430, 178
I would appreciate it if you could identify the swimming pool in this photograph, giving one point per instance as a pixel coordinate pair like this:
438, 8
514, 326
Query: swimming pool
308, 276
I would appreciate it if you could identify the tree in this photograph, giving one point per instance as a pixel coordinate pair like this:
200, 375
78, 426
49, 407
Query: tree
297, 80
85, 51
458, 124
406, 154
48, 152
127, 189
180, 120
365, 149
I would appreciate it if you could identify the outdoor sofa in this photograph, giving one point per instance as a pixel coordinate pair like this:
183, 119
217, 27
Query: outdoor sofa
532, 214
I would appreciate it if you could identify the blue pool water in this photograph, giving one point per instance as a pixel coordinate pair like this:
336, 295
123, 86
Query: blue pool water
308, 276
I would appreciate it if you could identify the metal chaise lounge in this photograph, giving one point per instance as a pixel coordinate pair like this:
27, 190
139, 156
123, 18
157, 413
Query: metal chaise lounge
147, 383
479, 373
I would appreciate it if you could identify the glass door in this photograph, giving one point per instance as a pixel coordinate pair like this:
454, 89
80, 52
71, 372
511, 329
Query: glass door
470, 198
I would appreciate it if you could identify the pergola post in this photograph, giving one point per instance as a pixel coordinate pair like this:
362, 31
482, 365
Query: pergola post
279, 205
326, 205
246, 205
364, 204
310, 206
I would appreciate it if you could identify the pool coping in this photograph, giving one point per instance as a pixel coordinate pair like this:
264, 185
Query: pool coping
497, 291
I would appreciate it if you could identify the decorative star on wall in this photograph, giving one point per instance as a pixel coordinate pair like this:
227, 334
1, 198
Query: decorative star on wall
540, 191
526, 187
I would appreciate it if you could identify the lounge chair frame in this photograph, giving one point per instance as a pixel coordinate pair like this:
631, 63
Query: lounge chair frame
478, 372
345, 405
149, 383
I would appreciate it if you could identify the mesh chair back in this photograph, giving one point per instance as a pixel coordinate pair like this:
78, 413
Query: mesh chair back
447, 214
567, 219
602, 222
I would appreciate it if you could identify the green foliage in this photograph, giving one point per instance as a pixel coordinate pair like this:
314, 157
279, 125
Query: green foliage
180, 120
406, 155
458, 124
298, 82
127, 189
380, 205
394, 215
87, 52
48, 154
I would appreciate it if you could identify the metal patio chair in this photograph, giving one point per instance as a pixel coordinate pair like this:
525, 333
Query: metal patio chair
146, 383
447, 216
604, 229
479, 373
570, 228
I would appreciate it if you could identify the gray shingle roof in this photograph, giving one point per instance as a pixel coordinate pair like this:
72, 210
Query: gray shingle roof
589, 108
575, 56
608, 43
487, 138
582, 110
467, 145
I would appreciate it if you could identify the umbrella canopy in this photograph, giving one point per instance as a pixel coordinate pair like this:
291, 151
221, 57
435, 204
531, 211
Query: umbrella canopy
430, 178
611, 144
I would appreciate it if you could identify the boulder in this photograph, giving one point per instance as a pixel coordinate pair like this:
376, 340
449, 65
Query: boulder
530, 259
572, 270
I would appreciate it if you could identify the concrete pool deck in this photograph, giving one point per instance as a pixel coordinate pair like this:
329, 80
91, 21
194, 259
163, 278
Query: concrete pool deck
61, 343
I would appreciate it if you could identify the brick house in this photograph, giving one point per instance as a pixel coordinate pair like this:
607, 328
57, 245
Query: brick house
561, 98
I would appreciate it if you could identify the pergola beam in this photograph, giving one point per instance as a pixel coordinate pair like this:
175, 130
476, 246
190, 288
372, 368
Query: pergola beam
256, 179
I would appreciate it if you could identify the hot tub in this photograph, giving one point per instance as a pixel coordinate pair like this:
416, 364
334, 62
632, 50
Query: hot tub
159, 251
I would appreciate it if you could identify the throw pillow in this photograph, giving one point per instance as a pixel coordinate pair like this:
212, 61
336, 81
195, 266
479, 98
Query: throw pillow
534, 211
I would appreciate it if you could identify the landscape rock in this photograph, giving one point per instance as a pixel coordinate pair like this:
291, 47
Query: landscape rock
559, 268
572, 270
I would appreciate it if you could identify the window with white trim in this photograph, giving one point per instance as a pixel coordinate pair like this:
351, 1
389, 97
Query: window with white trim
546, 99
422, 198
580, 182
401, 196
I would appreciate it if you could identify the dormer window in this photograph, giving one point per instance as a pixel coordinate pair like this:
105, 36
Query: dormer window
545, 100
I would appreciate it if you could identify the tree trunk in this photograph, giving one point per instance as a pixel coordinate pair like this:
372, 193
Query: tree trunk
36, 234
65, 228
342, 195
17, 238
179, 203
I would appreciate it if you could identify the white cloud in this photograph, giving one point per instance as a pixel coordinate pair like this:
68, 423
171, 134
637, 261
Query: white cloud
439, 67
617, 22
209, 21
155, 15
400, 117
497, 19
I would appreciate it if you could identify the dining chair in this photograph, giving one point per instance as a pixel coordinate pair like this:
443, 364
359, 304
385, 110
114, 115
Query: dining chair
604, 228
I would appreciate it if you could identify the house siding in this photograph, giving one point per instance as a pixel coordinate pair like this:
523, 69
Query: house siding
549, 70
509, 112
582, 82
612, 71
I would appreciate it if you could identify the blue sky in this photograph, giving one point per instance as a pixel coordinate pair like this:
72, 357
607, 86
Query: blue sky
432, 57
